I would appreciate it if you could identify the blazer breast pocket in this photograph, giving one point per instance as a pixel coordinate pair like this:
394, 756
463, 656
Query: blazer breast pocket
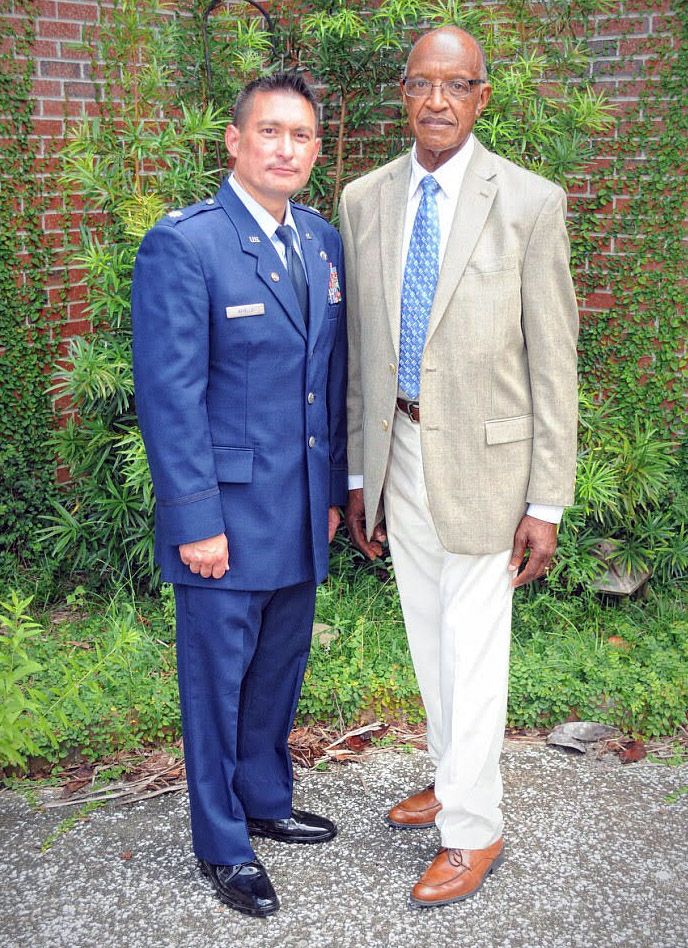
477, 266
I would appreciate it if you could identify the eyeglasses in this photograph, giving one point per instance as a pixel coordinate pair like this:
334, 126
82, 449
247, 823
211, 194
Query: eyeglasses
418, 88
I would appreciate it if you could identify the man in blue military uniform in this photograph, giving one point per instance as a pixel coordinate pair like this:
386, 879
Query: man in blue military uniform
240, 367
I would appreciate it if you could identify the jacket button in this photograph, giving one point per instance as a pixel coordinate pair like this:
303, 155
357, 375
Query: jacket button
392, 368
311, 441
385, 424
311, 398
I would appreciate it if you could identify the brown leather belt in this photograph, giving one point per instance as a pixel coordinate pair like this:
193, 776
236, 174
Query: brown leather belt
411, 409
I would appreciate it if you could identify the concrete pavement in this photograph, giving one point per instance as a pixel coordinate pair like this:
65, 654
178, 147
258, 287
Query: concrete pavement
596, 857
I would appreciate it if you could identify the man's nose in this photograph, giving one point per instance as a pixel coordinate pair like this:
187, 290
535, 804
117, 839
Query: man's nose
286, 146
436, 99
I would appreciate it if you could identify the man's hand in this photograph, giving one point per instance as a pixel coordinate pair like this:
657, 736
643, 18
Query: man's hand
334, 518
208, 557
539, 538
354, 516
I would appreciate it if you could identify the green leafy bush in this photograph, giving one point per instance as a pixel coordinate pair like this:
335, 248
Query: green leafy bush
625, 665
94, 683
631, 491
20, 702
100, 676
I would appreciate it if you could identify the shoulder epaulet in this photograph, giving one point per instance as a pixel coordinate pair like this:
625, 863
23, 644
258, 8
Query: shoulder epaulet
311, 210
184, 213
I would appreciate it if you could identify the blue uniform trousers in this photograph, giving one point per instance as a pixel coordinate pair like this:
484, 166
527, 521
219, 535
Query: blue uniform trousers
241, 657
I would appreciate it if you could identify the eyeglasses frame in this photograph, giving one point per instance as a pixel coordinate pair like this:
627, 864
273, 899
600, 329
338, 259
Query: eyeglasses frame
441, 85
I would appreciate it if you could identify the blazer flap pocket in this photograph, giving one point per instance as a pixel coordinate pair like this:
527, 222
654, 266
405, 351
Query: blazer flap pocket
233, 465
503, 430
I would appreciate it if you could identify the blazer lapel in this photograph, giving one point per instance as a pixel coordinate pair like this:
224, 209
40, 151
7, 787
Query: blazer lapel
393, 200
475, 200
269, 267
318, 273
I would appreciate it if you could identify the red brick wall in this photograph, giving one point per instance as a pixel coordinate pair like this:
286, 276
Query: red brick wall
63, 90
629, 45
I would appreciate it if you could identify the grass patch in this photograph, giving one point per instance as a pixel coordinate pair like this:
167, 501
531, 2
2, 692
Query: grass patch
100, 676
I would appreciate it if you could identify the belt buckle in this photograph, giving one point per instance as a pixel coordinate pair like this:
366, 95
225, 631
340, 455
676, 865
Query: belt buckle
410, 406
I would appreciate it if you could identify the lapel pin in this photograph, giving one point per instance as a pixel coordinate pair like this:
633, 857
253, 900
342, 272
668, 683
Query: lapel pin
308, 236
253, 239
323, 255
274, 277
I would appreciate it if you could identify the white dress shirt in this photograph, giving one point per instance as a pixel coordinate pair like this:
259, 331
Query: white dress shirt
450, 177
267, 222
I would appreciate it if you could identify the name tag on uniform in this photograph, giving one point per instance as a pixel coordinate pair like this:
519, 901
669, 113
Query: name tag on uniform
248, 309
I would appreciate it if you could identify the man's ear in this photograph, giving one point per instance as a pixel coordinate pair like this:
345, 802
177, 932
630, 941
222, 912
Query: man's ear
232, 136
485, 93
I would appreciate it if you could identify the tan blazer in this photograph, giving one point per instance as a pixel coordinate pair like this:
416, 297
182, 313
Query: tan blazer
498, 402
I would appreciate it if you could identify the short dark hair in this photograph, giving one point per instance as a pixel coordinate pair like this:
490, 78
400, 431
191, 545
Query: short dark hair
276, 82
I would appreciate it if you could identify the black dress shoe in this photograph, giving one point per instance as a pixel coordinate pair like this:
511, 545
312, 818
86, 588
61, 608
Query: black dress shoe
245, 887
300, 827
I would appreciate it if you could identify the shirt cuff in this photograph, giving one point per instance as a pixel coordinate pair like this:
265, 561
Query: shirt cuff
355, 481
548, 513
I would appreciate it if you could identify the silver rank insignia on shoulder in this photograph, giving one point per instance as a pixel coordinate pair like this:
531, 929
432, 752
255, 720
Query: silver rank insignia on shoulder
323, 255
210, 200
253, 239
175, 213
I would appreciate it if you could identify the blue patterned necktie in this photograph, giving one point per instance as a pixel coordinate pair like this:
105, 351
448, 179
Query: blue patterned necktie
418, 288
295, 268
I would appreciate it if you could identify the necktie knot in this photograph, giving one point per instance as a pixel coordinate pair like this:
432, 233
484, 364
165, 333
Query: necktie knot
285, 235
429, 185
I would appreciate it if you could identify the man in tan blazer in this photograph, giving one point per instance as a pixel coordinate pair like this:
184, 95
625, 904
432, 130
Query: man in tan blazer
462, 424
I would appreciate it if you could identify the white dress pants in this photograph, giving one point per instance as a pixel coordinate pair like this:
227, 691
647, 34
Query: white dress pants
457, 613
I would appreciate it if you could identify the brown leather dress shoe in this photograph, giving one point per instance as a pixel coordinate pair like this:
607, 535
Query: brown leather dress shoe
456, 874
416, 812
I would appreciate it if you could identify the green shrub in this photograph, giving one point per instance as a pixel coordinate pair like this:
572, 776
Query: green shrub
625, 665
631, 490
95, 683
100, 676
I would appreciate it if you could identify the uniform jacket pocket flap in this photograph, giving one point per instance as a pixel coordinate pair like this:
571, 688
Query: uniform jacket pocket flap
233, 465
503, 430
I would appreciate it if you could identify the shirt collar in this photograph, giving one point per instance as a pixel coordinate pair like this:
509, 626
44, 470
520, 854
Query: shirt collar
263, 218
449, 176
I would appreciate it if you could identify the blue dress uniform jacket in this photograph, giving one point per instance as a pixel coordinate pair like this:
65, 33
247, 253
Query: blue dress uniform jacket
242, 407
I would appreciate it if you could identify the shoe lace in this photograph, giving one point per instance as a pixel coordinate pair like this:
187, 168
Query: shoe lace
455, 858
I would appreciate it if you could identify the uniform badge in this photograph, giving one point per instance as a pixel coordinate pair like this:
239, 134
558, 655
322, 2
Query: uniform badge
334, 293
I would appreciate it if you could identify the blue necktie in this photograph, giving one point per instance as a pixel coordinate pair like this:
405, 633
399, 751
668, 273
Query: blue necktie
295, 268
418, 288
